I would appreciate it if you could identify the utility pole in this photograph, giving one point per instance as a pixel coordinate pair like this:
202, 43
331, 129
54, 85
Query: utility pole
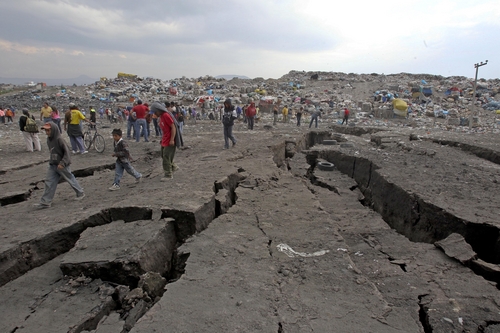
476, 66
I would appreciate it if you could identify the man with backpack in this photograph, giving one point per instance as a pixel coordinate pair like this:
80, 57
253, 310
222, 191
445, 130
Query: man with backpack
29, 128
228, 118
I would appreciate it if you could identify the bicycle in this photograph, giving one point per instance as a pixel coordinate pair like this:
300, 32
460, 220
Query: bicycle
95, 139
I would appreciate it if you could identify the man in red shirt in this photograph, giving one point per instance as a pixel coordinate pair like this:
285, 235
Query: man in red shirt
346, 116
250, 112
167, 125
140, 115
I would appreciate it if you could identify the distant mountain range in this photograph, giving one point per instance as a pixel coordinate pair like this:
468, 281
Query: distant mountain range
82, 79
229, 77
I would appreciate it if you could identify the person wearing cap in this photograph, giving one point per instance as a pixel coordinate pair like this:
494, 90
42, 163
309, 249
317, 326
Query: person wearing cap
72, 126
140, 121
30, 138
122, 154
169, 131
59, 166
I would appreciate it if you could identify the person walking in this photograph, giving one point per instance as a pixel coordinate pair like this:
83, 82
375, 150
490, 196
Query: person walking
46, 113
131, 124
180, 119
284, 112
275, 115
346, 116
122, 154
30, 137
10, 116
228, 118
314, 117
156, 125
93, 115
299, 115
59, 166
169, 131
72, 120
251, 112
56, 118
140, 122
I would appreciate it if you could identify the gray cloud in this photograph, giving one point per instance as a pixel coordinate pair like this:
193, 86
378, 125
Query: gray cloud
66, 38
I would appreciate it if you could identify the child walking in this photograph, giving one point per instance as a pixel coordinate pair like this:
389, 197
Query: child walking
122, 155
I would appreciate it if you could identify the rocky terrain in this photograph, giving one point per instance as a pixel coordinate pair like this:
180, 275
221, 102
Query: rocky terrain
389, 224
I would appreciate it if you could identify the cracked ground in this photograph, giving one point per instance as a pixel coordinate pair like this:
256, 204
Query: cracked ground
258, 238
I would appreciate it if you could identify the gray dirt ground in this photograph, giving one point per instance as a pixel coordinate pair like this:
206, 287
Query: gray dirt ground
265, 241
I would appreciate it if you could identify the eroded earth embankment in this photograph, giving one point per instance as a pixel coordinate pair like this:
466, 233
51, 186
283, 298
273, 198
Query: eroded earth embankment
289, 231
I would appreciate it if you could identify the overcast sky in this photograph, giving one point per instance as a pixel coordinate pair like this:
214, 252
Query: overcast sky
258, 38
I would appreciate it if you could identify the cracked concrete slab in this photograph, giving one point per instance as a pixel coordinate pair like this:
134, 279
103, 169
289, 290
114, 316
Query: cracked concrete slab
234, 208
121, 252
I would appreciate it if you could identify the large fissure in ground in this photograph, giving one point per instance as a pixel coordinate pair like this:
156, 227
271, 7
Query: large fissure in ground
408, 213
180, 225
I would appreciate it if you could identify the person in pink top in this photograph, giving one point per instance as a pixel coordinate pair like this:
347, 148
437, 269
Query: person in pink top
56, 118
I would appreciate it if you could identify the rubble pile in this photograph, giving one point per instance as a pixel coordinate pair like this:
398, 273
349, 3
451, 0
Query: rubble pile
433, 101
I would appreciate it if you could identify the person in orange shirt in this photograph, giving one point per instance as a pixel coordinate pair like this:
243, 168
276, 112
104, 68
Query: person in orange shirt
9, 115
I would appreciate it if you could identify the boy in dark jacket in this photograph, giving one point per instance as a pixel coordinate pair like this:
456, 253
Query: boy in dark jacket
122, 155
59, 161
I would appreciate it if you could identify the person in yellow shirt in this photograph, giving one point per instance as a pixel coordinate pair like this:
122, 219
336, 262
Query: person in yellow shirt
284, 112
46, 113
72, 120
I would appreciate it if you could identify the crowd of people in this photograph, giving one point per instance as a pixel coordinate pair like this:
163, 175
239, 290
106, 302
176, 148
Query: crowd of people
168, 120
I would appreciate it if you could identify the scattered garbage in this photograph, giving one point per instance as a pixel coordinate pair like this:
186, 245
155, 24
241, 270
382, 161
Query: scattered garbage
286, 249
417, 100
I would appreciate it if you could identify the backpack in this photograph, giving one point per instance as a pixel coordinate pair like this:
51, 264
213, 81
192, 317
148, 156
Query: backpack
178, 135
31, 126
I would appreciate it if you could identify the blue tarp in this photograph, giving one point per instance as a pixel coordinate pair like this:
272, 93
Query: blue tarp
492, 106
427, 92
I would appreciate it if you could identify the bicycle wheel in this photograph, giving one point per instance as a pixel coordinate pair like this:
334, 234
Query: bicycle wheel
87, 140
99, 143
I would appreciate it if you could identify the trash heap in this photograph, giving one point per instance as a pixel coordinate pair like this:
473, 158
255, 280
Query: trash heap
422, 100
